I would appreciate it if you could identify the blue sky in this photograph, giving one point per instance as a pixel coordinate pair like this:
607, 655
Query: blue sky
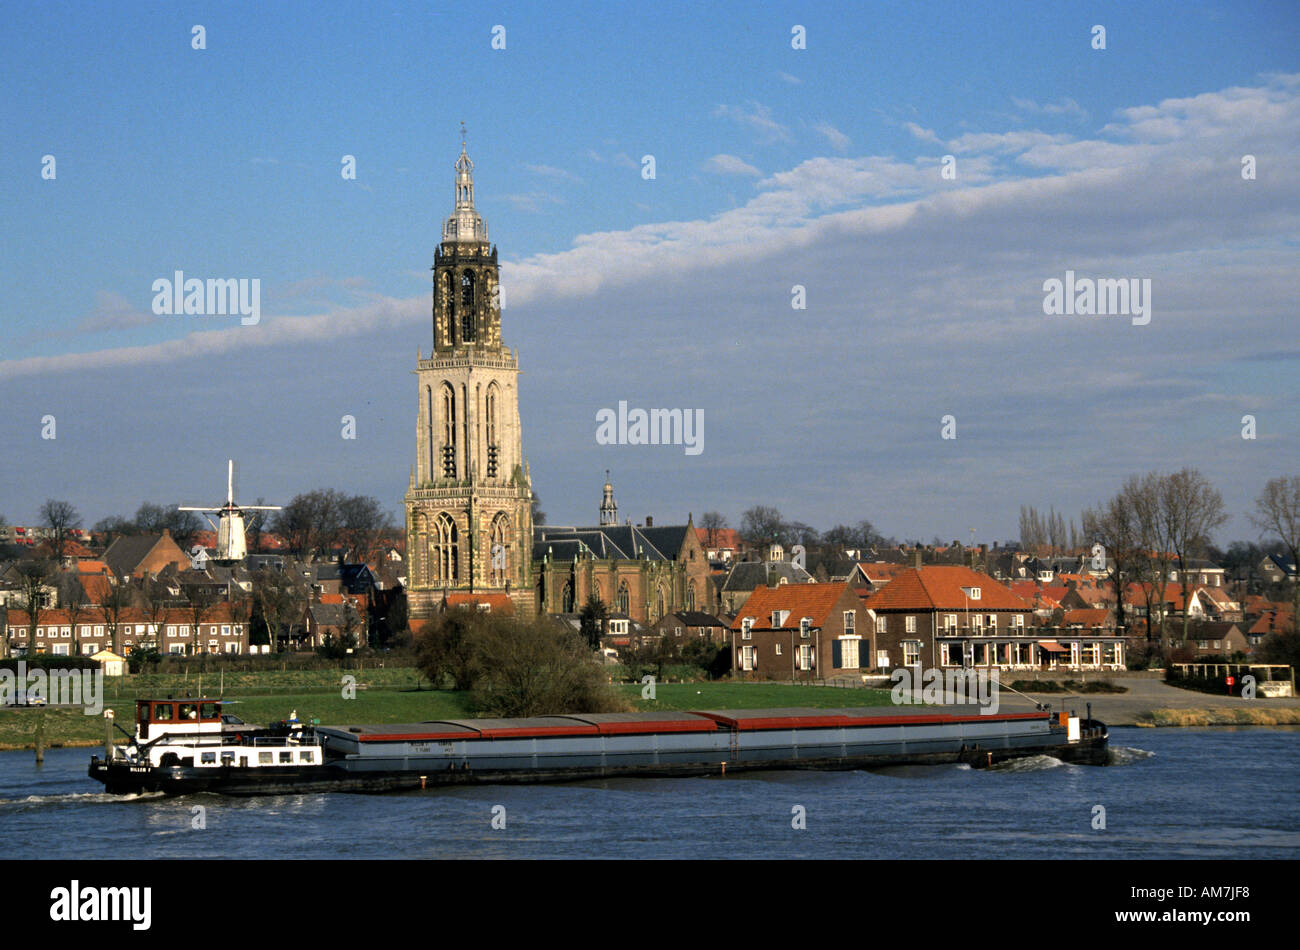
774, 166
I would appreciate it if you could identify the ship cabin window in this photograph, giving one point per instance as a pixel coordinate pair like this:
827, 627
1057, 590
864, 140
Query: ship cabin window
264, 758
163, 712
286, 757
209, 758
227, 758
208, 711
307, 756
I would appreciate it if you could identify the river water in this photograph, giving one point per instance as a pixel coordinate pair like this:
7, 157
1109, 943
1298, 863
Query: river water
1174, 793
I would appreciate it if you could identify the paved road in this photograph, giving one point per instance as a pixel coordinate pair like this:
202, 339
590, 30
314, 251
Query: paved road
1144, 695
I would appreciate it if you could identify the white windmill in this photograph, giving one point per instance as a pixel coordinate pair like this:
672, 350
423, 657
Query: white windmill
230, 525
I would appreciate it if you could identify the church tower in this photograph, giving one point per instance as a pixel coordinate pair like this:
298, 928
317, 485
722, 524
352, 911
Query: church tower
469, 521
608, 506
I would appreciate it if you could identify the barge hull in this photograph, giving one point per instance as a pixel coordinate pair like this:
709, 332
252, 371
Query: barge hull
405, 761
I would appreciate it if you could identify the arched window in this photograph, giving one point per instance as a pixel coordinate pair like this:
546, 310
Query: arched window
596, 591
445, 561
430, 434
467, 333
624, 598
499, 557
659, 604
420, 559
490, 414
566, 607
448, 432
690, 596
449, 302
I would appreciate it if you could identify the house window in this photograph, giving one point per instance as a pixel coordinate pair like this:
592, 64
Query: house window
60, 649
849, 654
805, 627
746, 658
677, 631
911, 652
805, 656
747, 629
880, 625
974, 593
850, 621
778, 649
909, 625
993, 621
1018, 621
950, 621
225, 629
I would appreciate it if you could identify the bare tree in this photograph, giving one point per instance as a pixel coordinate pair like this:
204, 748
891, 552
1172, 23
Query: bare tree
200, 600
73, 600
762, 525
153, 598
33, 577
1277, 512
1154, 560
1112, 525
713, 522
112, 608
363, 525
1191, 508
60, 519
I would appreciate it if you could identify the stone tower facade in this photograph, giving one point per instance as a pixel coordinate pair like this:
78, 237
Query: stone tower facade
469, 502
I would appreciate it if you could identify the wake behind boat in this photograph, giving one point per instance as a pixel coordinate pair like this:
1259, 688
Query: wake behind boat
186, 746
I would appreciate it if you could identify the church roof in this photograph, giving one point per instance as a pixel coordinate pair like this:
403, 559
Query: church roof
610, 542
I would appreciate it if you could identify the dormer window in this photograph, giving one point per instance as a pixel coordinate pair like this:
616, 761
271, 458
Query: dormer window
747, 628
974, 593
805, 628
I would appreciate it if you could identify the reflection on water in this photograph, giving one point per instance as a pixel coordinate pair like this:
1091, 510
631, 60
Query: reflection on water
1156, 806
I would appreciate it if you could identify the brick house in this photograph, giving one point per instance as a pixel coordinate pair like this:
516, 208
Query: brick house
692, 624
950, 616
219, 632
818, 630
139, 555
1217, 638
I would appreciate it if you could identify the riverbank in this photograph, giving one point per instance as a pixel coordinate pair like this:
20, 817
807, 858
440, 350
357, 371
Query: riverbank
381, 696
1152, 702
395, 695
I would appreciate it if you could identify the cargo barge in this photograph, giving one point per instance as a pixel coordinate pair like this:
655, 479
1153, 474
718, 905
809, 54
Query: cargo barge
189, 746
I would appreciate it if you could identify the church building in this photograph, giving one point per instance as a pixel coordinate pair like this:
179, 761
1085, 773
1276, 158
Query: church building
469, 500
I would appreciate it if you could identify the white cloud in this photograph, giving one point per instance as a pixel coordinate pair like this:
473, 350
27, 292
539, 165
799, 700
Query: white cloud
758, 117
838, 140
730, 165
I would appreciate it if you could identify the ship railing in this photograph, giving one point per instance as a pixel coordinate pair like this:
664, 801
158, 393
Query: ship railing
216, 741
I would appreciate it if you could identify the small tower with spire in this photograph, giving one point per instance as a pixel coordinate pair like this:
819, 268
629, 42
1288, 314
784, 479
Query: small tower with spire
608, 506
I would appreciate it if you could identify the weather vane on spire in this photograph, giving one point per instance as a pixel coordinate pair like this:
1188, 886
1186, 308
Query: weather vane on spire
462, 133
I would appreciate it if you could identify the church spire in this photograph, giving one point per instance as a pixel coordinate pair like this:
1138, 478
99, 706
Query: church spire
464, 223
608, 506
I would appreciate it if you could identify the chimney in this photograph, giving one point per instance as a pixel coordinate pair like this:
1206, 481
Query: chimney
917, 557
649, 521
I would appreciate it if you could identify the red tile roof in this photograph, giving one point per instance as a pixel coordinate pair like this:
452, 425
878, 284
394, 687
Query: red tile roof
939, 587
814, 601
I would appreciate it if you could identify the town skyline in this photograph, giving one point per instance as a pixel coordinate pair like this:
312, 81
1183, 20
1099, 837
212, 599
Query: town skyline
924, 294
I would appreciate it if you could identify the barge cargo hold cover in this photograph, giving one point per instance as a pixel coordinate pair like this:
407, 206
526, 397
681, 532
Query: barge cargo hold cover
374, 758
